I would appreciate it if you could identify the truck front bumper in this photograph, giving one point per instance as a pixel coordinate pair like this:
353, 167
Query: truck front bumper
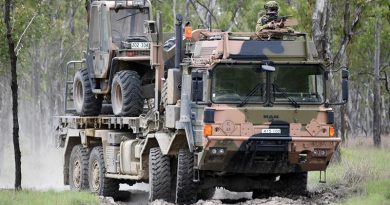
266, 155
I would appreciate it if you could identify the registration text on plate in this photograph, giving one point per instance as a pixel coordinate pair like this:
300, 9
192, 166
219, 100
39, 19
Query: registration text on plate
271, 131
140, 45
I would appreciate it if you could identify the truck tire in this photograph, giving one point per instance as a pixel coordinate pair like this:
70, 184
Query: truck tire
206, 194
85, 102
98, 183
78, 168
164, 96
126, 94
186, 189
294, 183
159, 175
260, 193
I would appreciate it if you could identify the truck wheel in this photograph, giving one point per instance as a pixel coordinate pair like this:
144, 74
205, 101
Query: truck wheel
78, 168
98, 183
126, 94
294, 183
164, 96
206, 194
186, 189
260, 193
159, 175
85, 102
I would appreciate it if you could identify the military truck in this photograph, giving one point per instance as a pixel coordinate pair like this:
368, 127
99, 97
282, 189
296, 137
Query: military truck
244, 111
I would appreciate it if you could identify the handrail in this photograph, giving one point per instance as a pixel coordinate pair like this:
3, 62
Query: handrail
68, 81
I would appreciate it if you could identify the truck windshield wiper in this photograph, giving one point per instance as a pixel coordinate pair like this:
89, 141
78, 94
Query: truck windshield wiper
128, 15
251, 93
293, 102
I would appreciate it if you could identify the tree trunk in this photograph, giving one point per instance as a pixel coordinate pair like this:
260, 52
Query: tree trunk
377, 87
174, 13
14, 89
188, 11
233, 20
344, 117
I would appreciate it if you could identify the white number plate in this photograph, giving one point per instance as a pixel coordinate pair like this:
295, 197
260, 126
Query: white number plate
271, 131
140, 45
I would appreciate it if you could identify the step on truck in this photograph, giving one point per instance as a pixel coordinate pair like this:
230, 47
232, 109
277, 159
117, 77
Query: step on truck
243, 111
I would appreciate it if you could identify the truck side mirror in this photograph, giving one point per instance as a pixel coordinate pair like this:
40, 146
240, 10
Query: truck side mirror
344, 85
149, 27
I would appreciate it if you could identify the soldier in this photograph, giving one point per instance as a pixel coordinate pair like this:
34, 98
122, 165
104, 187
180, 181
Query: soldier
267, 21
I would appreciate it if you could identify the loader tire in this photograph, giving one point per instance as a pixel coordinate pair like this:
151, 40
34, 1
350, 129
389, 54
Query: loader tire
186, 189
85, 102
98, 183
78, 168
126, 94
159, 176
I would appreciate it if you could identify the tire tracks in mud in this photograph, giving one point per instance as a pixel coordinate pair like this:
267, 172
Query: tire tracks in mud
322, 195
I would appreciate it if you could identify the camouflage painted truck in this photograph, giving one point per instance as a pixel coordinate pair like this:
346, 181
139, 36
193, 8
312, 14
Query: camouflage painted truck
244, 111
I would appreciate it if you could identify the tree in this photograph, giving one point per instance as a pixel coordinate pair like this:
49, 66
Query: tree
14, 89
377, 86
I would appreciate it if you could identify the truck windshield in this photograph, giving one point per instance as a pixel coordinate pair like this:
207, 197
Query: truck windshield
300, 83
246, 84
127, 22
238, 83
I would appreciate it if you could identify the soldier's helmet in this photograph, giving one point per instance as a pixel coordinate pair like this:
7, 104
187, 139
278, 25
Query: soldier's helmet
271, 7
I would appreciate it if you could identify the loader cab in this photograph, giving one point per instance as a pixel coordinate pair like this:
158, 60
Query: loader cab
99, 41
111, 29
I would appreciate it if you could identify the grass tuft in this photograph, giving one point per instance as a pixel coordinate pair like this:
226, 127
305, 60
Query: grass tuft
363, 169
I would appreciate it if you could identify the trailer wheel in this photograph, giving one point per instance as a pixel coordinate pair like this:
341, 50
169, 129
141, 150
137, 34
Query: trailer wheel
186, 189
126, 94
78, 168
85, 102
98, 183
294, 183
159, 175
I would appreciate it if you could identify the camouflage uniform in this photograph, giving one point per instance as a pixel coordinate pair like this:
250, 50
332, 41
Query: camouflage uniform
264, 22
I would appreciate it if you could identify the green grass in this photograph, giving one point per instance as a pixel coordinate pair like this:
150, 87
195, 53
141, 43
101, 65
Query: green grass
375, 192
10, 197
364, 169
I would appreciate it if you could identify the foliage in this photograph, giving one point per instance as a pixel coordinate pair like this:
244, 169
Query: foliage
362, 168
46, 198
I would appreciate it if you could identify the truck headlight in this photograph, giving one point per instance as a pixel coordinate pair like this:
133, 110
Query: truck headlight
217, 151
320, 153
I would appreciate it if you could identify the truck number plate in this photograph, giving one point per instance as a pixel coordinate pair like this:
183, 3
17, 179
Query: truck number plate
140, 45
271, 131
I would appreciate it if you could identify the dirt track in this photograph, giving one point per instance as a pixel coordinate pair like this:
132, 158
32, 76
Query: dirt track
321, 195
